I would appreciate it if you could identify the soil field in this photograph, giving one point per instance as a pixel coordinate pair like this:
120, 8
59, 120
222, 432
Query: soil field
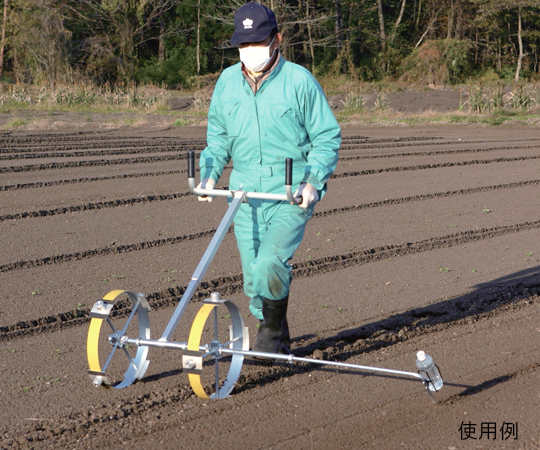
428, 239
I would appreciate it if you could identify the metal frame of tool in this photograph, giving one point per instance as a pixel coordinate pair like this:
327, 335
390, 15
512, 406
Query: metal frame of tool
193, 351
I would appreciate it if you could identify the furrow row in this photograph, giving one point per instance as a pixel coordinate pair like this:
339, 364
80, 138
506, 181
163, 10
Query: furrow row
40, 184
415, 198
100, 145
233, 284
182, 156
434, 166
165, 197
99, 162
437, 152
132, 150
341, 347
77, 256
137, 148
371, 144
51, 140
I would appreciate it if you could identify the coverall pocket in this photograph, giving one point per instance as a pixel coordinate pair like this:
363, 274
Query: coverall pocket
286, 123
230, 115
230, 106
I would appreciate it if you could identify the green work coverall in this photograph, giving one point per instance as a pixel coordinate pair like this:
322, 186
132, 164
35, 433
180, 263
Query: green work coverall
288, 117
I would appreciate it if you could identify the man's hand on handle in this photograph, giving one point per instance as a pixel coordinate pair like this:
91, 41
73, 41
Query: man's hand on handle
206, 183
306, 195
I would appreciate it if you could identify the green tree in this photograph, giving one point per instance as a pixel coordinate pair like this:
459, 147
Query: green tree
39, 41
113, 32
507, 16
3, 36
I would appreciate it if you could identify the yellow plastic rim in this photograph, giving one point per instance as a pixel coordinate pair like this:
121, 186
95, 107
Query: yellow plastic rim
194, 341
92, 341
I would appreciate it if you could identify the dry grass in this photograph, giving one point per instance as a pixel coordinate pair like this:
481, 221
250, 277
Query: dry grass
83, 96
83, 107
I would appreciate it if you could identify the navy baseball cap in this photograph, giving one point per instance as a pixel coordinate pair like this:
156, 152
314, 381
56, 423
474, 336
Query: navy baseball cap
253, 22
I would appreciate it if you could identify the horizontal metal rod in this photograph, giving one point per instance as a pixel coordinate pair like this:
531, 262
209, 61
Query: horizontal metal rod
257, 195
155, 343
166, 344
292, 358
288, 197
288, 358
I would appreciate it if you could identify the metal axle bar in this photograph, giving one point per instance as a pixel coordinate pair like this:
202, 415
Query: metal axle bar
156, 343
166, 344
292, 358
287, 358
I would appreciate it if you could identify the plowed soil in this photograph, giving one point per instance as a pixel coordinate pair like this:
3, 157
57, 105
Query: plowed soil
428, 239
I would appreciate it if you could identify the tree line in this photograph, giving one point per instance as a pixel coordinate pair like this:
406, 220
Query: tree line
174, 42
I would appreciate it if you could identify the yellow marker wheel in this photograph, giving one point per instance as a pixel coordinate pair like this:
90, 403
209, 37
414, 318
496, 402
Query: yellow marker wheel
112, 361
222, 338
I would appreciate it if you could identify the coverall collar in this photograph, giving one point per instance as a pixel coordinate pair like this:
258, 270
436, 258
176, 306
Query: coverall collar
256, 82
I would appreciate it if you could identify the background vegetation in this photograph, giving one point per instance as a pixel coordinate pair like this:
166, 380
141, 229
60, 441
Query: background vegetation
181, 43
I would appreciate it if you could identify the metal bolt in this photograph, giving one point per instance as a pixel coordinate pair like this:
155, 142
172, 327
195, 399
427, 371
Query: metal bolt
99, 304
190, 364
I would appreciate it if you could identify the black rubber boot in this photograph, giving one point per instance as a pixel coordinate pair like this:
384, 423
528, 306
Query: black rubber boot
273, 336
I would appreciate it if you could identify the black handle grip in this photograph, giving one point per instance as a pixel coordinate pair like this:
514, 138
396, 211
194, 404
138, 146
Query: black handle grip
288, 172
191, 164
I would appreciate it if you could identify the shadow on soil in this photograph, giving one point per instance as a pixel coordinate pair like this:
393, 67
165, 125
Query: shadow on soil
512, 291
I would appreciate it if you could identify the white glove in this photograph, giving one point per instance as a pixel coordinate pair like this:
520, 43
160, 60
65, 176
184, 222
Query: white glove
206, 183
306, 195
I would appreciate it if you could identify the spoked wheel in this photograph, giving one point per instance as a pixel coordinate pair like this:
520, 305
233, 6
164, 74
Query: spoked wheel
209, 368
112, 361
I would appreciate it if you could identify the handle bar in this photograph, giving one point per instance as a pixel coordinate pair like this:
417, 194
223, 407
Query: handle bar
288, 196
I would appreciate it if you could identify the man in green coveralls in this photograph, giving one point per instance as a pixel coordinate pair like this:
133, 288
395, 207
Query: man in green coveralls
266, 109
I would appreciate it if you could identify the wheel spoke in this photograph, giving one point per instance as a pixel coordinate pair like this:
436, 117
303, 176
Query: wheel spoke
121, 323
230, 369
133, 311
215, 325
130, 358
109, 358
226, 344
109, 321
216, 358
216, 365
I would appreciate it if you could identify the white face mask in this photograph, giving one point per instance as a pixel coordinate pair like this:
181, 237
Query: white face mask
256, 58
